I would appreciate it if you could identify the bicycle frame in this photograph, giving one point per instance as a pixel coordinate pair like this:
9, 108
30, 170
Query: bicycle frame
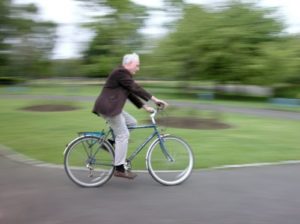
104, 135
148, 139
141, 146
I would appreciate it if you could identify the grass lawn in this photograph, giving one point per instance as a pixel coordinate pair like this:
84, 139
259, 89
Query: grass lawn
44, 135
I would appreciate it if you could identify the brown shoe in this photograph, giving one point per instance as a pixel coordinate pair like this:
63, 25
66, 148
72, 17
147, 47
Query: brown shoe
126, 174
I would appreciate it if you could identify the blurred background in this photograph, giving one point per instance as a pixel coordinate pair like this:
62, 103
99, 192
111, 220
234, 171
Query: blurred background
240, 42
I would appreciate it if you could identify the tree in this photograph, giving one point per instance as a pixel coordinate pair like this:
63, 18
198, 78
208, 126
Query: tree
223, 45
290, 52
25, 44
116, 33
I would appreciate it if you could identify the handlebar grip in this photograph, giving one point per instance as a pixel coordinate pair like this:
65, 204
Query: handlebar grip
160, 106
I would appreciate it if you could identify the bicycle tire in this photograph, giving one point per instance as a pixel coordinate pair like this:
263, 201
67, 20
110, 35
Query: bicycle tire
88, 161
173, 167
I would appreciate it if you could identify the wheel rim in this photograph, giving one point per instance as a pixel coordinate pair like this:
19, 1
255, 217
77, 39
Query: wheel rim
164, 170
87, 163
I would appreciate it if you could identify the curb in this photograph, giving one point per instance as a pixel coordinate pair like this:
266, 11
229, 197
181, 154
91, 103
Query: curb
18, 157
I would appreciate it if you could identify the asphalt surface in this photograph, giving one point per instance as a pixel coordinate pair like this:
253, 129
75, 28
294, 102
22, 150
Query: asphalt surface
30, 194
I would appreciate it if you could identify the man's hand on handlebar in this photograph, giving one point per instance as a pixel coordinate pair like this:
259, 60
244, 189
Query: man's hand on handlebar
149, 109
160, 103
161, 106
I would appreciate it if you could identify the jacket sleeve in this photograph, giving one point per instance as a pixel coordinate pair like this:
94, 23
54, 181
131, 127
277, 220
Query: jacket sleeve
127, 82
135, 100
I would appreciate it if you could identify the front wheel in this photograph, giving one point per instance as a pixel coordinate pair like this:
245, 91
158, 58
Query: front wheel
170, 160
88, 161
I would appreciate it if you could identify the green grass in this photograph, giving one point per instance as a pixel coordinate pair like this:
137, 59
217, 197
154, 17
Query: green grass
44, 135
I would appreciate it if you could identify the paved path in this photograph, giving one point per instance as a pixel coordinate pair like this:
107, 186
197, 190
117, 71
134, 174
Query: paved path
257, 195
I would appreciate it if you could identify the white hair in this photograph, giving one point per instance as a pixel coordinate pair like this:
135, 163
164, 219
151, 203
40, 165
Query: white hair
128, 58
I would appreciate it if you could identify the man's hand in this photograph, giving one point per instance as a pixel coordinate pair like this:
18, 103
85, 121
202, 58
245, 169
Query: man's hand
148, 108
160, 103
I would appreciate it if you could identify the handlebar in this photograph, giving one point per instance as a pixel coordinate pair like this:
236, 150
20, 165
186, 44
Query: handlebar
153, 114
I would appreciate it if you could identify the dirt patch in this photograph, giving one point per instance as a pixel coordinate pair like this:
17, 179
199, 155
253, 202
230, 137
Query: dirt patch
192, 123
50, 108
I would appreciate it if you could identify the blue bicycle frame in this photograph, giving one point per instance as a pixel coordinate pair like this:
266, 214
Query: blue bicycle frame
155, 132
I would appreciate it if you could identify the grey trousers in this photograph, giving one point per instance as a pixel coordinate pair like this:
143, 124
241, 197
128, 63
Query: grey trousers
119, 125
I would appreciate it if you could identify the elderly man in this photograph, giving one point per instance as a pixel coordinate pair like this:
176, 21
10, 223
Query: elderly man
119, 87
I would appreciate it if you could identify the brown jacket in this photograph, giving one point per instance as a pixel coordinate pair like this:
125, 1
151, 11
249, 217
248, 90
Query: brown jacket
119, 87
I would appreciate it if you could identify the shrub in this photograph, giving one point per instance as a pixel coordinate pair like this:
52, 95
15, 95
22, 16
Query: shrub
290, 91
10, 80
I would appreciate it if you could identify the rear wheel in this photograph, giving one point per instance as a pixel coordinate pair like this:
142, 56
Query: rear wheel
170, 161
88, 161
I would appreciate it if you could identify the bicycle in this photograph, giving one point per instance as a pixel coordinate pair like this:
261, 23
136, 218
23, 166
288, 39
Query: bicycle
89, 158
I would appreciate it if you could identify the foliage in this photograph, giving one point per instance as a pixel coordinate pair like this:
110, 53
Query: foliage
116, 33
10, 81
229, 44
237, 42
66, 68
25, 44
287, 91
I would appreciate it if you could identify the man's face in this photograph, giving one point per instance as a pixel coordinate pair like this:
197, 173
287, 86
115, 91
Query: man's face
133, 67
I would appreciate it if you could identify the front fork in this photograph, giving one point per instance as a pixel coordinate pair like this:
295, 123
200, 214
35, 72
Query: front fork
164, 148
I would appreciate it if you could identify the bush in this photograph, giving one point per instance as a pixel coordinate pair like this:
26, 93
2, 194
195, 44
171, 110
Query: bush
237, 97
290, 91
10, 80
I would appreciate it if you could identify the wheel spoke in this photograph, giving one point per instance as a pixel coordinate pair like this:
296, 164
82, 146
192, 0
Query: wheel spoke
89, 163
170, 161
